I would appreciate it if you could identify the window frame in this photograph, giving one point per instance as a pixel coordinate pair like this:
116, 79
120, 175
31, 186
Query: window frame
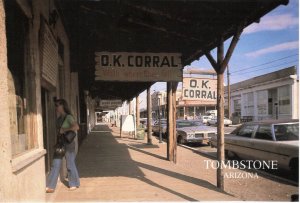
271, 131
290, 101
255, 126
29, 92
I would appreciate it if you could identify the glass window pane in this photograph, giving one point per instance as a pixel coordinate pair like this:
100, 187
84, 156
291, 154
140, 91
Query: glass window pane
246, 131
286, 132
264, 132
284, 100
248, 104
262, 102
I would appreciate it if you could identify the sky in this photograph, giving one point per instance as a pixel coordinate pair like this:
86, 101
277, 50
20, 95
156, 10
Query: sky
264, 47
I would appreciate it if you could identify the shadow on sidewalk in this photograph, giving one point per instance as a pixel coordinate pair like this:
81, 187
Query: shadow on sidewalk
102, 156
136, 148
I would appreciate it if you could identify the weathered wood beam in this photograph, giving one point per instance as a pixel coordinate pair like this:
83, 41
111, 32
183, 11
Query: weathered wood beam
157, 12
137, 110
212, 61
129, 107
24, 5
169, 122
220, 115
174, 89
163, 29
231, 48
172, 139
149, 117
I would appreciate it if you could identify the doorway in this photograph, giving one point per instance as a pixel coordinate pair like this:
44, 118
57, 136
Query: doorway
45, 127
273, 103
49, 125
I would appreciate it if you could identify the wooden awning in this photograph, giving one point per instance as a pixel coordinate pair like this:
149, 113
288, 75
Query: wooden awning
181, 26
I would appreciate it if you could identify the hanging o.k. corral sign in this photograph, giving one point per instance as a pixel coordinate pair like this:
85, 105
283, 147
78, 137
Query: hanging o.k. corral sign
138, 67
202, 90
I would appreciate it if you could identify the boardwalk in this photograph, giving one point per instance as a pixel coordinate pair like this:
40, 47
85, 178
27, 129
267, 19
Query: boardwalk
123, 169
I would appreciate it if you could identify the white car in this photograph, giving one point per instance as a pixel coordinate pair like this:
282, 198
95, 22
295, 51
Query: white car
163, 127
213, 121
204, 119
265, 140
193, 131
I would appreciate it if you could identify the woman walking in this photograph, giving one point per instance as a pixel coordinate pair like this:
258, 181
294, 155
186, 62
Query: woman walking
65, 122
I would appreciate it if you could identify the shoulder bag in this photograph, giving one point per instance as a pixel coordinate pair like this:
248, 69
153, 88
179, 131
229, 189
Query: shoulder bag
60, 149
69, 136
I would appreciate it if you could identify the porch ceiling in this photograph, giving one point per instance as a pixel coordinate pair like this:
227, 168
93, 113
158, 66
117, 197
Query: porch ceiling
188, 27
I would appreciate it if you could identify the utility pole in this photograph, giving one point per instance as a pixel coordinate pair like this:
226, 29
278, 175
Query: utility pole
228, 93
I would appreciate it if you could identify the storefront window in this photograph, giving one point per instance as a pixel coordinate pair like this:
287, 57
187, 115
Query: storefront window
237, 106
248, 104
262, 102
284, 100
21, 128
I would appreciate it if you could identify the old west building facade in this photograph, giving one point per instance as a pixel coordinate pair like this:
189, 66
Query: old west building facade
190, 110
48, 51
35, 70
271, 96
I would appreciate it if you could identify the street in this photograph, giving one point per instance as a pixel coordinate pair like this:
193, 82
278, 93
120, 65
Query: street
212, 152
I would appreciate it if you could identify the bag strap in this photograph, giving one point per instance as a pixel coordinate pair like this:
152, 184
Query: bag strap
62, 122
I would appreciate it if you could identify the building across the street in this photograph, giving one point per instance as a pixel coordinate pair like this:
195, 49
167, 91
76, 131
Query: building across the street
271, 96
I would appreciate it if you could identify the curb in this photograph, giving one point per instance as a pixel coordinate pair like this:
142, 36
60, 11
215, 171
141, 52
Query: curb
196, 150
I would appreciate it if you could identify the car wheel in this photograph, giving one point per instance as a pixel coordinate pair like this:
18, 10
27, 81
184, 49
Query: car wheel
231, 155
180, 140
294, 166
165, 135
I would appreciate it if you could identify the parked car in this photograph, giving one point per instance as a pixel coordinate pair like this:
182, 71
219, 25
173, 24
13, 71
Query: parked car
155, 127
213, 121
204, 119
265, 141
193, 131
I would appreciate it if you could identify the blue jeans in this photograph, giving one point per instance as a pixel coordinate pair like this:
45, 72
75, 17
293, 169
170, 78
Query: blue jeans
72, 171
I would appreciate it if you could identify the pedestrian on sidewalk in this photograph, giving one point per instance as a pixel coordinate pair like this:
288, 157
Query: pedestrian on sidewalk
65, 122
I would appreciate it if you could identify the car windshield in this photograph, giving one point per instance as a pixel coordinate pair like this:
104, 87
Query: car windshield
187, 124
286, 131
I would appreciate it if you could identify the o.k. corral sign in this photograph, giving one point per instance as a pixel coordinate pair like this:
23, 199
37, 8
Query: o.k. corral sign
138, 67
202, 90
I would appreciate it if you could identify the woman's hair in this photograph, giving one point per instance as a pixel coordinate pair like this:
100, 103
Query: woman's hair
64, 104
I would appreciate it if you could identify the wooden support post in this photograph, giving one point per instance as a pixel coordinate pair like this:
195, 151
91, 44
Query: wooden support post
130, 108
228, 93
174, 89
220, 66
137, 111
172, 139
220, 116
149, 117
